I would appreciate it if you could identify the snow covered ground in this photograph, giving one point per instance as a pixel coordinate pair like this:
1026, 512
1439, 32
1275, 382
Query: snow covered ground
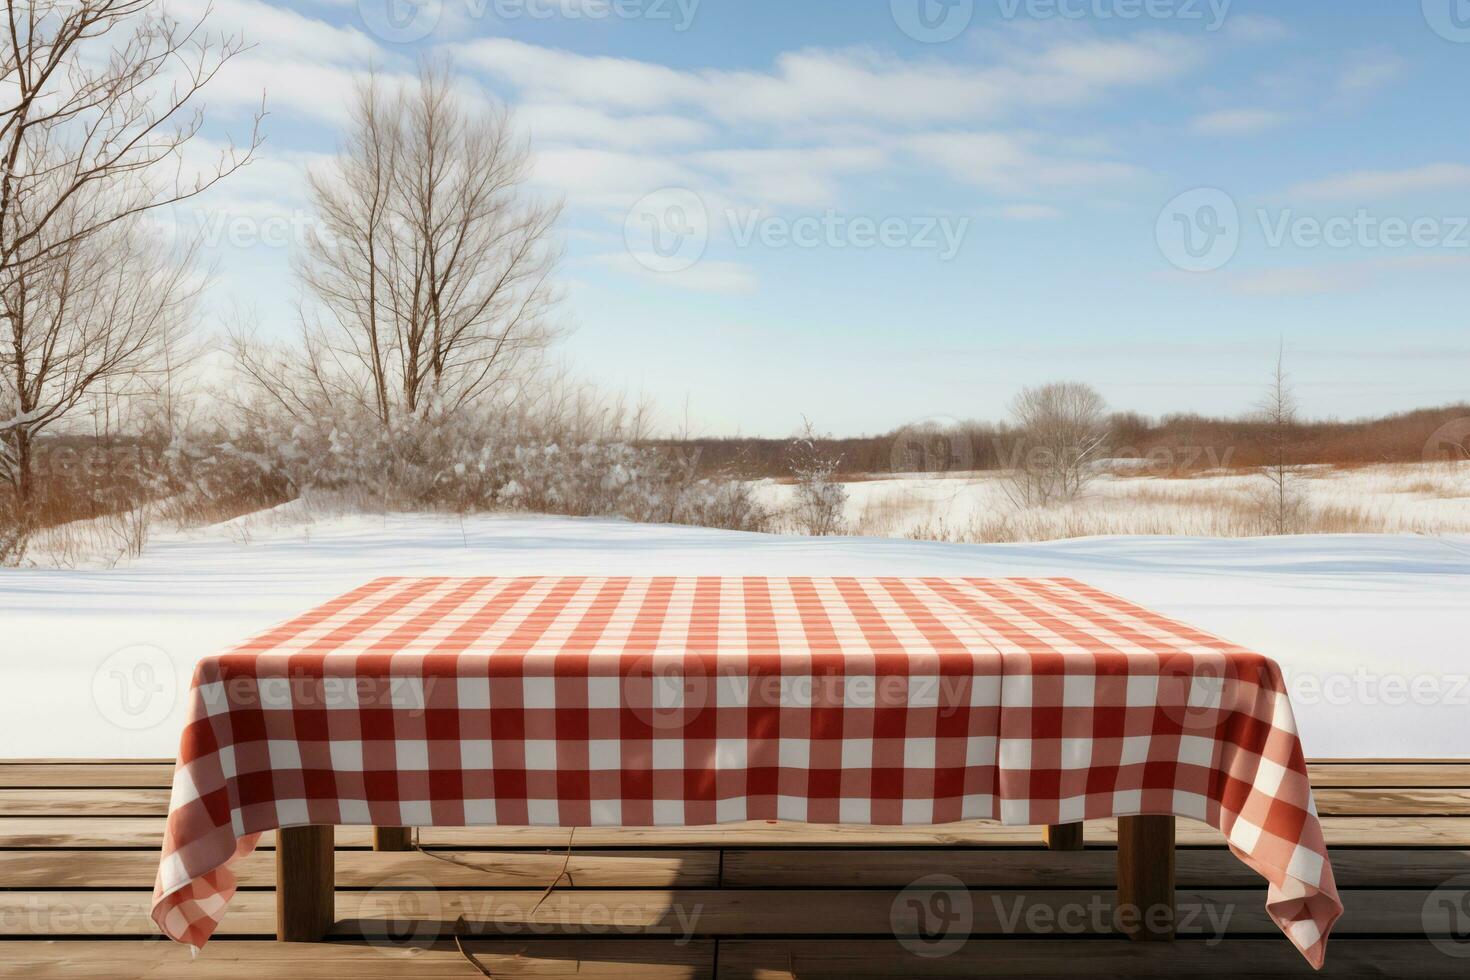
1426, 498
1373, 631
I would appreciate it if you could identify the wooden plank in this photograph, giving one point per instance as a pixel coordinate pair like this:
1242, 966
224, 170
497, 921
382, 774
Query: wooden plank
1365, 801
1345, 774
1146, 876
86, 762
83, 802
739, 959
808, 959
154, 802
223, 959
82, 775
305, 889
1096, 866
707, 912
362, 869
147, 832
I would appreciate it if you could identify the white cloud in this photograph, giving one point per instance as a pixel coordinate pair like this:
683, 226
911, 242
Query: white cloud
553, 122
803, 176
819, 85
318, 92
706, 275
1341, 277
1370, 73
277, 33
1255, 27
831, 115
1030, 212
556, 75
606, 179
1010, 163
1362, 184
1237, 122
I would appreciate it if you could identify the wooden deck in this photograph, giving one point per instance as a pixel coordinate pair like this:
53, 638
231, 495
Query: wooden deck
79, 844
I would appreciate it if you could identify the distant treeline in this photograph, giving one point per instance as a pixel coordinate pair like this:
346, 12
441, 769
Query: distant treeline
1174, 443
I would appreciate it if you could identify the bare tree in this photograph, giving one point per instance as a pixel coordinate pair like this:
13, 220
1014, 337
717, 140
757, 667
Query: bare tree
429, 273
821, 501
103, 316
1062, 430
1283, 502
104, 105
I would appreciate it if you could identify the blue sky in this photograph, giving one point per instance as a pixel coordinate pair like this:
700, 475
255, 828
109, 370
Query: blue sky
869, 217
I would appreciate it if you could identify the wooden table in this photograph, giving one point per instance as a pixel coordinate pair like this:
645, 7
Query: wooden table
306, 889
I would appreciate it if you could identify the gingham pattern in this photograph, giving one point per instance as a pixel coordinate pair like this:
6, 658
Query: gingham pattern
689, 701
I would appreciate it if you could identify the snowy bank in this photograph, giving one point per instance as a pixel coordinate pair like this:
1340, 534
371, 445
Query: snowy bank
1373, 631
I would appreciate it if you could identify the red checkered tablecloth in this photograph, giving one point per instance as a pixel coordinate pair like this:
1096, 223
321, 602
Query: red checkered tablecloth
579, 701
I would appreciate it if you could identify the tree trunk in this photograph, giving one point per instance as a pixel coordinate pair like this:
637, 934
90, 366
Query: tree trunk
24, 477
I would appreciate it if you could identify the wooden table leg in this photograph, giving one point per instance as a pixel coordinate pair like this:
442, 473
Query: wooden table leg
392, 838
1063, 836
305, 883
1146, 876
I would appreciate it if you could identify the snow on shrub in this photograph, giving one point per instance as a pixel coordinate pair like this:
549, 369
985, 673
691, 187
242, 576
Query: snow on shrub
469, 461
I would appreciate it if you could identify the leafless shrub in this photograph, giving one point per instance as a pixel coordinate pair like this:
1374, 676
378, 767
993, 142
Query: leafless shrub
882, 515
1062, 430
820, 499
130, 528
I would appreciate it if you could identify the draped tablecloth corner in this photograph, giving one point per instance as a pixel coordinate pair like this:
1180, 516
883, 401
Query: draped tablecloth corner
615, 701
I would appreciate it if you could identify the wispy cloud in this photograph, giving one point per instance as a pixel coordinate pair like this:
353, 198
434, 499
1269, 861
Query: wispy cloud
1341, 277
1255, 27
706, 275
1238, 122
1010, 163
1030, 212
1368, 73
824, 85
1369, 184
